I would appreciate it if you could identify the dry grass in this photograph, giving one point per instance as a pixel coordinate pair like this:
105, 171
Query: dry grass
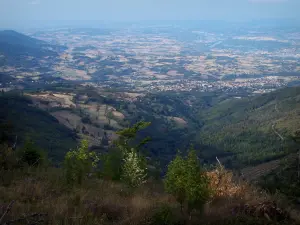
96, 202
233, 197
41, 197
228, 193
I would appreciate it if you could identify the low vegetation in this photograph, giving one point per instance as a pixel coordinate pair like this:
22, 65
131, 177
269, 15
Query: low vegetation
134, 179
186, 181
79, 193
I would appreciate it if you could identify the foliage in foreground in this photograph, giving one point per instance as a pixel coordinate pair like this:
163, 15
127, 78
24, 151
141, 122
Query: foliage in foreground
186, 180
39, 196
32, 194
79, 163
123, 162
134, 172
32, 155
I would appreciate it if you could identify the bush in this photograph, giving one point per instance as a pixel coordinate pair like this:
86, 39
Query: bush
31, 155
108, 127
133, 171
79, 163
187, 182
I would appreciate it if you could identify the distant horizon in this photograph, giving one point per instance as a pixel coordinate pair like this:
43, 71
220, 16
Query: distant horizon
45, 13
106, 24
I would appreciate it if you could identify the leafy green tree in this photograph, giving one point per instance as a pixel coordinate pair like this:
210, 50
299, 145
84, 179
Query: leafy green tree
187, 182
125, 161
134, 170
78, 163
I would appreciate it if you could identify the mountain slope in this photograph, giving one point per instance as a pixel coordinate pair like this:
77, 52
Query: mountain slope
13, 44
15, 38
38, 125
254, 129
26, 53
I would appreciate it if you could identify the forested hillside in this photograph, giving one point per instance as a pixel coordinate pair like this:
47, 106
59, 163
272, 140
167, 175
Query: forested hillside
119, 187
254, 129
20, 120
241, 132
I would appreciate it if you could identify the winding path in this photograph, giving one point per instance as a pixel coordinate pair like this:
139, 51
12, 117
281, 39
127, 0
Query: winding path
279, 135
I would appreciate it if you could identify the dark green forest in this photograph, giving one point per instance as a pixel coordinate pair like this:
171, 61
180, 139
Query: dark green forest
241, 132
20, 120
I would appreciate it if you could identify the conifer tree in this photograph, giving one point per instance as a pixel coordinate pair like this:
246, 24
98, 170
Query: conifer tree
187, 182
175, 179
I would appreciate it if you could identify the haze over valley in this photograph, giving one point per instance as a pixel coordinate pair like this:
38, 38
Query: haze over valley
167, 57
96, 81
150, 112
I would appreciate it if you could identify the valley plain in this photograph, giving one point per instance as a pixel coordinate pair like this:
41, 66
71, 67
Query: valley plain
168, 58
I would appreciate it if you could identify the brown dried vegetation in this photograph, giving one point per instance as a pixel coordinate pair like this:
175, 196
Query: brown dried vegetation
40, 196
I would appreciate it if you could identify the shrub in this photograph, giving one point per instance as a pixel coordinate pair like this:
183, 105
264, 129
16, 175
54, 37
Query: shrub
133, 171
221, 181
125, 161
31, 155
108, 127
187, 182
78, 163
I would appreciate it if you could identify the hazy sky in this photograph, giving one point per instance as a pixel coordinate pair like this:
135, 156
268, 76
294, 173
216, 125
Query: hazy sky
18, 13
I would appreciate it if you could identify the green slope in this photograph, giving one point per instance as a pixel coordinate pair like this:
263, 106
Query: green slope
252, 128
28, 121
284, 179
